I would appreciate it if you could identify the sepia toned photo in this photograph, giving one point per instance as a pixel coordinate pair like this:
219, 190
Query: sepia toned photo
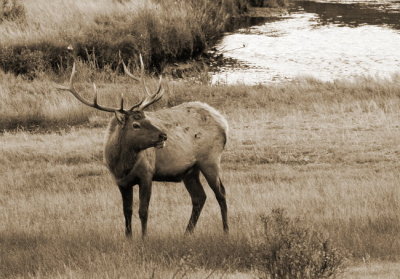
204, 139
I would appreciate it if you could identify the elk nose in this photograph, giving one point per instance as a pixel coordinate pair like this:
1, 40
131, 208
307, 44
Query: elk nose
163, 136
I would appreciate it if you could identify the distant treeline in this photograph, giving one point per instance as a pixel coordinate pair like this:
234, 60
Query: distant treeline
34, 35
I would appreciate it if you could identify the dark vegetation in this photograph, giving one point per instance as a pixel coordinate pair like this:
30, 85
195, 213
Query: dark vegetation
12, 10
166, 32
269, 3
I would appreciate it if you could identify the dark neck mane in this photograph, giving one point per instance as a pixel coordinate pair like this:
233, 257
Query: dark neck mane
119, 159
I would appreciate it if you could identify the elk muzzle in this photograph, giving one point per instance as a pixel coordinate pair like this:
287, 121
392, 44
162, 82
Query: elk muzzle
162, 138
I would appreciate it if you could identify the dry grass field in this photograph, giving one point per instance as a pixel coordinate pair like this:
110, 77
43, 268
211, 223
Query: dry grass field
325, 152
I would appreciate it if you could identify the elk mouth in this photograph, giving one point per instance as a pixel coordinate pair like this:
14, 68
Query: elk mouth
160, 144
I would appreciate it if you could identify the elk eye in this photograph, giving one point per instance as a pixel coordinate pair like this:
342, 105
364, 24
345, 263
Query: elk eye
136, 125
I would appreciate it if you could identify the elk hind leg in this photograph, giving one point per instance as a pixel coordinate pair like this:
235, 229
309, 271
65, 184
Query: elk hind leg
198, 196
211, 173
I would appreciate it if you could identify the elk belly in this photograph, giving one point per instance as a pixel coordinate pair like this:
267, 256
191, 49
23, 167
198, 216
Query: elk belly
173, 163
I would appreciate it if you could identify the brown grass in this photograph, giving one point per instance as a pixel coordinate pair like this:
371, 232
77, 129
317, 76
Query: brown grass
326, 152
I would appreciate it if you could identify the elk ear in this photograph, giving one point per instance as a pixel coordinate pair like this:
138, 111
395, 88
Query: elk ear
120, 117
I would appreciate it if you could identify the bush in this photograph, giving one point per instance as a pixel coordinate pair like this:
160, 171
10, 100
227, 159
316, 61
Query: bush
162, 31
270, 3
289, 250
24, 61
12, 10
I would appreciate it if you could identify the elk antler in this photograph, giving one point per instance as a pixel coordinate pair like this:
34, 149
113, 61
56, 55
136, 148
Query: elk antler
151, 98
95, 105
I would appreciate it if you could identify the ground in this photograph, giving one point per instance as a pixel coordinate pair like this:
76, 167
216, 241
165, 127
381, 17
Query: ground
336, 167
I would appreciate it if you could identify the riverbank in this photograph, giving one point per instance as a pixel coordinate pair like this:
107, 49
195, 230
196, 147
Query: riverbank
325, 40
35, 34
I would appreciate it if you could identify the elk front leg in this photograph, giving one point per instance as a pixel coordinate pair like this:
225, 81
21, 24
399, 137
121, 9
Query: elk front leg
127, 198
144, 201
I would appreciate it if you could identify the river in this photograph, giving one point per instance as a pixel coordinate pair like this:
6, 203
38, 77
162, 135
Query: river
326, 40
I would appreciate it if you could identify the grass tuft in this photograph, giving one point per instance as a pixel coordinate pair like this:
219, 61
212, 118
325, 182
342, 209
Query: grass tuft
291, 250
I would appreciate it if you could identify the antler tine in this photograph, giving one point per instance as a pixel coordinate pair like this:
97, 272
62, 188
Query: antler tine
150, 99
142, 75
95, 94
122, 102
153, 98
159, 84
72, 89
136, 105
129, 74
71, 79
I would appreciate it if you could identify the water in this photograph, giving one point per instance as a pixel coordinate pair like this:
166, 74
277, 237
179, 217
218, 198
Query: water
324, 40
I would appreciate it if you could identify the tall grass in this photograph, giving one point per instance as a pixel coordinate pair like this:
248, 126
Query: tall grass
162, 31
37, 103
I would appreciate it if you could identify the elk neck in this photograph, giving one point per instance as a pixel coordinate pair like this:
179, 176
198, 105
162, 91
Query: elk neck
118, 156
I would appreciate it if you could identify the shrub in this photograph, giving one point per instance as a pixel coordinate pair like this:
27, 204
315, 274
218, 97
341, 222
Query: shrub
162, 31
270, 3
290, 250
12, 10
24, 60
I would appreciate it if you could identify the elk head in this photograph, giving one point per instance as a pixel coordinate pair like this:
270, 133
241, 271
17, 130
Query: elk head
135, 128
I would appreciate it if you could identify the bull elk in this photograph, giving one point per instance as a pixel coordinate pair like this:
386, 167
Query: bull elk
135, 151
